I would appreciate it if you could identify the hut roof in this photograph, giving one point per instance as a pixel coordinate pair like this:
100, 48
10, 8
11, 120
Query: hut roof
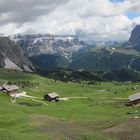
10, 87
134, 97
53, 95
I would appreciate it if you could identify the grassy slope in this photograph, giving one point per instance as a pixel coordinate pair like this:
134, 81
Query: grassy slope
84, 118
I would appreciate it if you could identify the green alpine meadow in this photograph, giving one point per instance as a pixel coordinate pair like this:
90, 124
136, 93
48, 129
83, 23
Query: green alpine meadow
87, 112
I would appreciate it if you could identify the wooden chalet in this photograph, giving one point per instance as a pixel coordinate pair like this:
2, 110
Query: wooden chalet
10, 88
135, 99
51, 97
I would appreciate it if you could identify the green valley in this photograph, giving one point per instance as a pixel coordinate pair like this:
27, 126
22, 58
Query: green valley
91, 112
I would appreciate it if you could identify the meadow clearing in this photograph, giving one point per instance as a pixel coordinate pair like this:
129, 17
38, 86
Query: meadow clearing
100, 114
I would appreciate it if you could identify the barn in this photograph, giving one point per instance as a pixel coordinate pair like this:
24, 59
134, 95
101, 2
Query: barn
51, 97
135, 99
10, 88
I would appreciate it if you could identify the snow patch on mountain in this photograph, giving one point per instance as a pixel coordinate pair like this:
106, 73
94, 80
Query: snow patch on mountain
49, 44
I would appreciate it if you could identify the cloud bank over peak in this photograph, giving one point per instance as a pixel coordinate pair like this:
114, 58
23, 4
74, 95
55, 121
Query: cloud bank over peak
90, 19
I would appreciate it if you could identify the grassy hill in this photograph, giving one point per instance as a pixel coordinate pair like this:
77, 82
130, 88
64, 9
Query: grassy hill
92, 112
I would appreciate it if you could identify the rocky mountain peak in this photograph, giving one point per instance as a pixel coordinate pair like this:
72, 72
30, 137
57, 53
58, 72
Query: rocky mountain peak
13, 57
49, 44
135, 37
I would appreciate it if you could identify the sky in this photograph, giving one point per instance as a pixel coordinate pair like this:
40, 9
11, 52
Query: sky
88, 19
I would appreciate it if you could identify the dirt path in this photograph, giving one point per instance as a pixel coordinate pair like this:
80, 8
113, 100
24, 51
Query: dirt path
32, 97
120, 98
39, 101
115, 98
67, 98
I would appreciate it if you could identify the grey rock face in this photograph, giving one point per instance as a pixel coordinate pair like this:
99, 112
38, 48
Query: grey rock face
48, 44
13, 57
135, 37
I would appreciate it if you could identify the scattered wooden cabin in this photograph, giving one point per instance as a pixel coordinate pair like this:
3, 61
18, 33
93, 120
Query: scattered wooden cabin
10, 88
51, 97
135, 99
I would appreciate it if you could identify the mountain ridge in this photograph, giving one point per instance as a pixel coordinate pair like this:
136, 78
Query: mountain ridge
53, 51
13, 57
135, 37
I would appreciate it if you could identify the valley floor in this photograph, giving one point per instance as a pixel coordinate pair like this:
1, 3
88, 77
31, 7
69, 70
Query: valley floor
88, 112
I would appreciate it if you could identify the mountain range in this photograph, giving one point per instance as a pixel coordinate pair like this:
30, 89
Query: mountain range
114, 57
49, 52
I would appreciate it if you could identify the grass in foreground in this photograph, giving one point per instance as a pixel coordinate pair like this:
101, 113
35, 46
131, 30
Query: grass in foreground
98, 117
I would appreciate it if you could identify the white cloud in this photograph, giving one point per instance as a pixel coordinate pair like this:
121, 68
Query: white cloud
134, 5
91, 19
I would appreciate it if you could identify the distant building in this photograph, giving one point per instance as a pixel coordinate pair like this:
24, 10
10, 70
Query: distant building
12, 91
51, 97
135, 99
10, 88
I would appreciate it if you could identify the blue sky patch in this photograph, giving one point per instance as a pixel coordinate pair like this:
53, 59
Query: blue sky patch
115, 1
132, 15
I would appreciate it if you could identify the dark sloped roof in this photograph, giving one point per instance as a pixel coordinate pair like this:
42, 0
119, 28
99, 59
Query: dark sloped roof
134, 97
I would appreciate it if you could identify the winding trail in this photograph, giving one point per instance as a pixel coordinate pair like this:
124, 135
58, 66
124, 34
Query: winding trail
115, 98
67, 98
39, 101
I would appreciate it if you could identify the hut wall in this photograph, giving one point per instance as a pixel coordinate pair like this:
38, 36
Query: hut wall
136, 102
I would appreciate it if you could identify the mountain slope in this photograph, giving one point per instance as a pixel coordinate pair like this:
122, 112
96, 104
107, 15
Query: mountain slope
48, 62
135, 38
12, 56
110, 58
101, 59
49, 51
48, 44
